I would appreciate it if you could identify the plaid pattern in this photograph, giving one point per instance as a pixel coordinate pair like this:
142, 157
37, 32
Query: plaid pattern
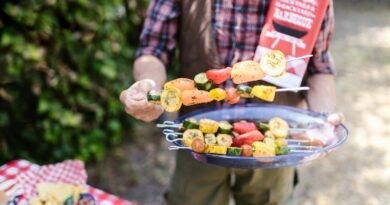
160, 27
20, 177
70, 171
237, 27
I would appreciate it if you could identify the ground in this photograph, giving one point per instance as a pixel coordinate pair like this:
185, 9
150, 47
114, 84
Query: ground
358, 173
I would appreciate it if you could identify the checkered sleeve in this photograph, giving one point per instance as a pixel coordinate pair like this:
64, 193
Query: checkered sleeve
159, 30
322, 62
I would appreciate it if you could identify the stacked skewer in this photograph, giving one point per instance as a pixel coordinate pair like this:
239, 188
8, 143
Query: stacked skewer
187, 92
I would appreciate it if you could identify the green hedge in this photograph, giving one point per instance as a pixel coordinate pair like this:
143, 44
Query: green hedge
63, 64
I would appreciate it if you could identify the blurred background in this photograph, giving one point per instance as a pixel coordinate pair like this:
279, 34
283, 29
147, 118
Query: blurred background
64, 63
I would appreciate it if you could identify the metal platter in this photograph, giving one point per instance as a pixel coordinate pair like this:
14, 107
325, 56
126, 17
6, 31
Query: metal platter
297, 119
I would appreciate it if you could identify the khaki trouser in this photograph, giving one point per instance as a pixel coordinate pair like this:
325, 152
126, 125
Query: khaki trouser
197, 183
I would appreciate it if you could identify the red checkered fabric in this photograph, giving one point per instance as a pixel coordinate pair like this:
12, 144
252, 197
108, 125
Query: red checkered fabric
103, 198
70, 171
20, 177
8, 174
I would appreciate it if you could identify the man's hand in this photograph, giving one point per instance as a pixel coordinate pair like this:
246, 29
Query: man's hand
336, 118
136, 103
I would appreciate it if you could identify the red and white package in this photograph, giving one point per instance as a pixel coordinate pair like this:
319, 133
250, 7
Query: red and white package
292, 27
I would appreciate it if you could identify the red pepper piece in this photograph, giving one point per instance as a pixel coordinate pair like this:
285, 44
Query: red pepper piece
218, 76
244, 127
247, 138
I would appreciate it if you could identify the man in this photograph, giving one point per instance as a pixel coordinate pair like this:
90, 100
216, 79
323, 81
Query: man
216, 34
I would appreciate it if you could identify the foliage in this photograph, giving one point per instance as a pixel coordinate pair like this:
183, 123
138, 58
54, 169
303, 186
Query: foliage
62, 67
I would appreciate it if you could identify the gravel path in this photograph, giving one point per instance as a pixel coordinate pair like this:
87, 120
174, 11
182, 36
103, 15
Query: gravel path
358, 173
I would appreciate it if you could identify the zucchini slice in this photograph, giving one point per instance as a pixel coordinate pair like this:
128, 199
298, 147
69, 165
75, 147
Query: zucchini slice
224, 140
190, 123
225, 127
282, 150
201, 82
154, 97
234, 151
263, 127
210, 139
244, 91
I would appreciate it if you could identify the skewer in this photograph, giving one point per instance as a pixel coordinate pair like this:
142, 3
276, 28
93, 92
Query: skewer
302, 151
171, 133
292, 89
298, 58
168, 124
173, 147
306, 147
298, 141
171, 124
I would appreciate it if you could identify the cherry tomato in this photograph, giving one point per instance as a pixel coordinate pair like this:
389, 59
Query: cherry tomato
232, 97
244, 127
218, 76
198, 146
246, 150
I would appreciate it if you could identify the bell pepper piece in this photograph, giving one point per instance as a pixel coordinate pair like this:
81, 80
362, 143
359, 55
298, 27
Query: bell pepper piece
216, 149
218, 76
217, 94
248, 138
261, 149
264, 92
244, 127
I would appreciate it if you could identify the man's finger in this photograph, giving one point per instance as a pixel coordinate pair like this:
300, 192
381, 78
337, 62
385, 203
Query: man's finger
336, 118
144, 86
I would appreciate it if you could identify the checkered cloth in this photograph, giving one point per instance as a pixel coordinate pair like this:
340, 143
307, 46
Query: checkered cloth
20, 177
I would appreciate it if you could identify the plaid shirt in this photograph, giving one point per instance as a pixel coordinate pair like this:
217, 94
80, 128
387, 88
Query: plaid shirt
237, 27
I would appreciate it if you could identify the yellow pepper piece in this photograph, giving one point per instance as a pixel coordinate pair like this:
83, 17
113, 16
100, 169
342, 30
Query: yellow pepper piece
216, 149
264, 92
217, 94
261, 149
208, 126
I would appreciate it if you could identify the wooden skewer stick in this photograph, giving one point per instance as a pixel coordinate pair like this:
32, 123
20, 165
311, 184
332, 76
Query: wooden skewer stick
300, 57
292, 89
